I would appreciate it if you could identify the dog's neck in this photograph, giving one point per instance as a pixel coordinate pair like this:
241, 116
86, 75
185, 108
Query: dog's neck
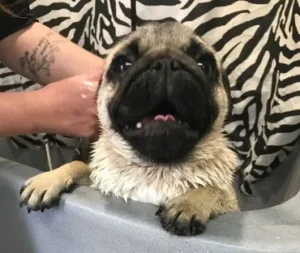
115, 169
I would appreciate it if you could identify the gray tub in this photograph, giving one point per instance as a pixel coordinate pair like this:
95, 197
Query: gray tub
86, 222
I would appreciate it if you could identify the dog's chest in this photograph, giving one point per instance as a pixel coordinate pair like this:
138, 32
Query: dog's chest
114, 170
146, 185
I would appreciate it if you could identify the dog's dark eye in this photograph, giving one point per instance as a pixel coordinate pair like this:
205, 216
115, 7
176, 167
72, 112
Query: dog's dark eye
205, 66
125, 65
200, 64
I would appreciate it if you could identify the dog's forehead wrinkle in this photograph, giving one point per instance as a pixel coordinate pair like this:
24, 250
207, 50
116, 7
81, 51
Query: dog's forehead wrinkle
168, 34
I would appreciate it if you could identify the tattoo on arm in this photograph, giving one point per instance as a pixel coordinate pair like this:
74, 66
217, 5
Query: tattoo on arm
39, 60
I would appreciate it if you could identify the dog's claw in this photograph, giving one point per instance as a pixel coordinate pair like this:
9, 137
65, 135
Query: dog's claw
21, 204
181, 218
43, 191
160, 210
22, 189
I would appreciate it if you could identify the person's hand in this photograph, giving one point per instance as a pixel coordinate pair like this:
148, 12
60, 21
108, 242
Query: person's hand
69, 106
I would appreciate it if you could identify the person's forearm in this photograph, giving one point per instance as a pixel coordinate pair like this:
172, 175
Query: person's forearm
44, 56
19, 113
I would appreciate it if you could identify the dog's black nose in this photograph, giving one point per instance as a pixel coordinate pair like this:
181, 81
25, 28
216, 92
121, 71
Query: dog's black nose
166, 65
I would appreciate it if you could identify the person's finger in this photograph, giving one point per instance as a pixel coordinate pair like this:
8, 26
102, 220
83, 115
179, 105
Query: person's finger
91, 85
95, 74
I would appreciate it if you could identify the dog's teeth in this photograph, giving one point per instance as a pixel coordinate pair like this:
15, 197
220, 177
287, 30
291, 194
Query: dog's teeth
126, 127
139, 125
179, 121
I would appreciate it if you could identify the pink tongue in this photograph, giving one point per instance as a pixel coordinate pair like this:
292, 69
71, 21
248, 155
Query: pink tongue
164, 117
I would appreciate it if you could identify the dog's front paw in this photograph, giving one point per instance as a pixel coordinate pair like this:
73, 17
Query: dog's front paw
43, 190
183, 217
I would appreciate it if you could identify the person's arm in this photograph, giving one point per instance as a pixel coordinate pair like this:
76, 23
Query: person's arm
18, 114
66, 107
44, 56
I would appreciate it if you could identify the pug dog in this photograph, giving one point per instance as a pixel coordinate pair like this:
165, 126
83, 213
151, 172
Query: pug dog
162, 103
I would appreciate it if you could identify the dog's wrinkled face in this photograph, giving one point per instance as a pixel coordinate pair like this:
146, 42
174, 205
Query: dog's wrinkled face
159, 92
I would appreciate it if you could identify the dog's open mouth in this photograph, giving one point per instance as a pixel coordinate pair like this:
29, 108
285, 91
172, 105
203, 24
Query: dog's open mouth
162, 134
164, 114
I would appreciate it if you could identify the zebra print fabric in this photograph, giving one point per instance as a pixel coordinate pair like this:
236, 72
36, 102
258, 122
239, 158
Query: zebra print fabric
258, 42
